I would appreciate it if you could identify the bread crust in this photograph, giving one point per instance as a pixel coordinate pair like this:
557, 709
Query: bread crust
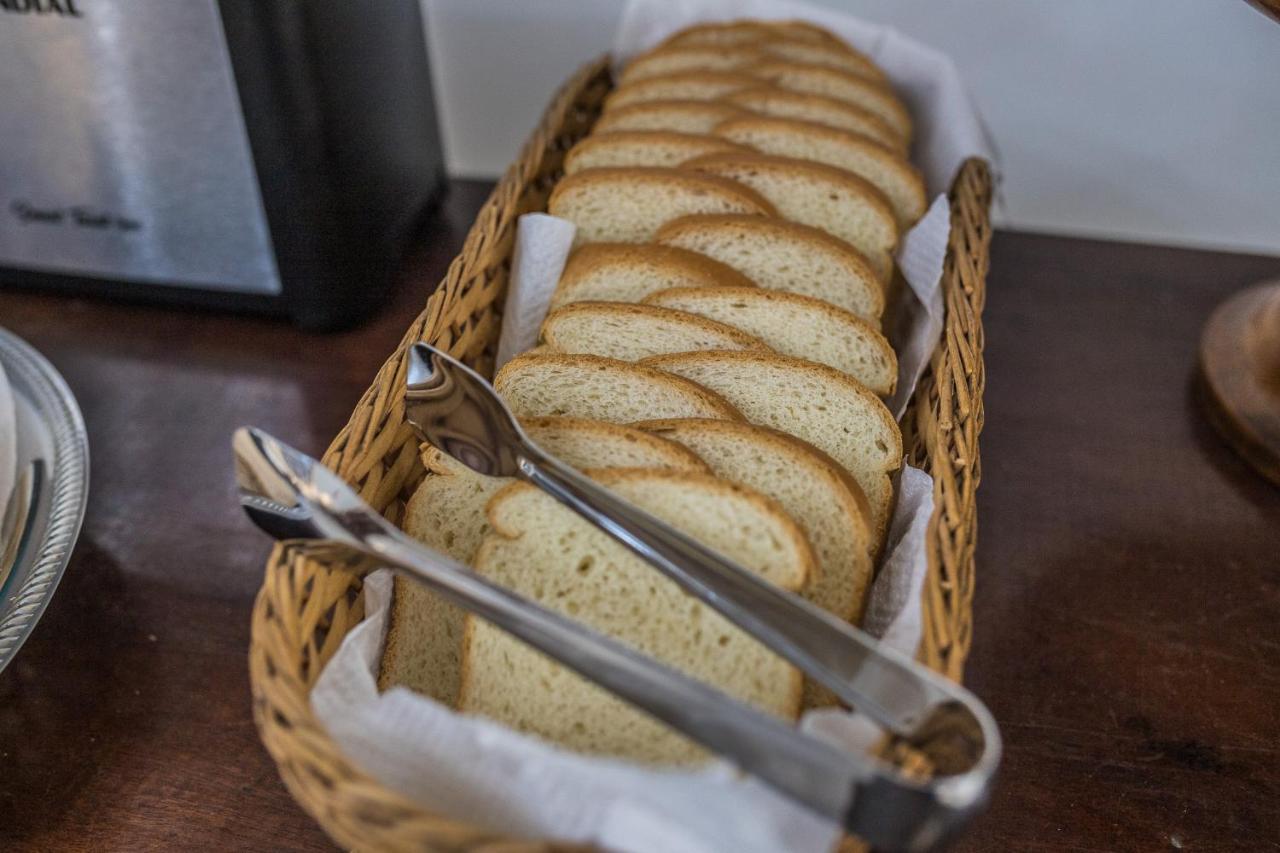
658, 87
799, 301
910, 202
678, 457
870, 198
891, 455
838, 56
587, 260
656, 62
619, 118
858, 507
841, 115
730, 336
691, 390
697, 183
871, 94
696, 145
815, 239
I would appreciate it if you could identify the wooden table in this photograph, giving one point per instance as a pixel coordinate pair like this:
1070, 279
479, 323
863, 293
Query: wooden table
1128, 605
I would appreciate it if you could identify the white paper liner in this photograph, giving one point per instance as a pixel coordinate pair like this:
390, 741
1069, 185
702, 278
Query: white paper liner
471, 769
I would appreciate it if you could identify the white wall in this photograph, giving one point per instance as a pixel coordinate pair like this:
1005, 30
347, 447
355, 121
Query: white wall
1148, 120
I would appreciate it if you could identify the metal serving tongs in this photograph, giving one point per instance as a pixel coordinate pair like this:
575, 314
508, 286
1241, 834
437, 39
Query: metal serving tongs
453, 408
291, 496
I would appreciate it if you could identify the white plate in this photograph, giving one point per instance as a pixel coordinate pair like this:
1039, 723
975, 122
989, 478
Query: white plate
51, 430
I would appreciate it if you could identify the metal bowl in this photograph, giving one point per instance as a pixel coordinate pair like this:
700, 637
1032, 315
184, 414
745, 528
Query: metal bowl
51, 435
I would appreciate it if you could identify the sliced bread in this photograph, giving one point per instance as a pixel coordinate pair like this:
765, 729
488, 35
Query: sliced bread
821, 80
447, 513
812, 488
671, 60
833, 200
752, 30
603, 389
781, 255
625, 148
823, 54
784, 103
541, 550
628, 272
681, 85
819, 404
805, 31
679, 116
806, 140
795, 325
632, 332
630, 205
727, 34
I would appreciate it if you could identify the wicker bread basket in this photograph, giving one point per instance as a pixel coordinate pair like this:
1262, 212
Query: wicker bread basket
304, 608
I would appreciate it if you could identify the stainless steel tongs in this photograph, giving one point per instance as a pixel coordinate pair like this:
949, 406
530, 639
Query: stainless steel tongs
291, 496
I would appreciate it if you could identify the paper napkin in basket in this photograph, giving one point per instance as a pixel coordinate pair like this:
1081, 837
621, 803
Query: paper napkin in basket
474, 770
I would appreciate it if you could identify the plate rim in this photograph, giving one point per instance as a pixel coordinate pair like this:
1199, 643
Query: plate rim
68, 482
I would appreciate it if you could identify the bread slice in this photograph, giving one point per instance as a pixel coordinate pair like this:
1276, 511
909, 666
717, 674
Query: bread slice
447, 512
674, 115
626, 148
826, 55
632, 332
603, 389
630, 205
681, 85
751, 31
806, 140
833, 200
781, 255
783, 103
795, 325
628, 272
672, 60
543, 551
819, 404
726, 34
821, 80
812, 489
798, 30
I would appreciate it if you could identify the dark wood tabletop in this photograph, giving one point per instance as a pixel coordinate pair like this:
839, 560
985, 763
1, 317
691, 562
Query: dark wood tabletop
1128, 600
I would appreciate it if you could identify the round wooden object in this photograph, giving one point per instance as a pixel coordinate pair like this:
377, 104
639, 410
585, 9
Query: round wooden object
1240, 366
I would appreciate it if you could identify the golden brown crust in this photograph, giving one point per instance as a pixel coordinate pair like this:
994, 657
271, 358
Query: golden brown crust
678, 457
715, 83
656, 62
720, 33
908, 177
589, 258
697, 181
829, 374
894, 111
839, 57
618, 118
816, 238
858, 507
782, 297
696, 145
612, 477
669, 316
686, 387
852, 118
874, 198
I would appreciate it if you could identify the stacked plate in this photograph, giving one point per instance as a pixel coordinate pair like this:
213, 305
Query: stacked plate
44, 479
